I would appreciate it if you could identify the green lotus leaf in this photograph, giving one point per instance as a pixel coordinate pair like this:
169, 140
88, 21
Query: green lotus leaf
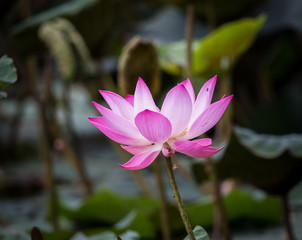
8, 72
271, 163
199, 233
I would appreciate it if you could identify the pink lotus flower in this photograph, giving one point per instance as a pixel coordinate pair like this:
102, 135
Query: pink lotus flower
143, 130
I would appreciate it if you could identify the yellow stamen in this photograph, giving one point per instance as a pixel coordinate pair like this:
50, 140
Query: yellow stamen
184, 132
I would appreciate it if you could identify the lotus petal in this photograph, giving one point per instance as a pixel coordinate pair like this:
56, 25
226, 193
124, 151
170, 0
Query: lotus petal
177, 107
119, 105
153, 126
120, 123
112, 133
204, 98
143, 98
141, 160
208, 118
194, 149
130, 99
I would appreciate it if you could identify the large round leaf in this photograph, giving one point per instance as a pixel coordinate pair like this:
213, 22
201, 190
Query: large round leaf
271, 163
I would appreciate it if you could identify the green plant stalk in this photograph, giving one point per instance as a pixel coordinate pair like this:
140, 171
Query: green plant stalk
46, 155
211, 19
45, 141
69, 149
224, 127
165, 224
220, 214
189, 35
286, 218
72, 149
179, 202
14, 127
222, 133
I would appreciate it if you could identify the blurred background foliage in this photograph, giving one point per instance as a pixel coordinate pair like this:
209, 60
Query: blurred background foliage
60, 174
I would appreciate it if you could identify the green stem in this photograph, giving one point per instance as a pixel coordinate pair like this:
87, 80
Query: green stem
286, 218
180, 205
72, 148
224, 126
45, 141
220, 214
189, 35
48, 168
163, 202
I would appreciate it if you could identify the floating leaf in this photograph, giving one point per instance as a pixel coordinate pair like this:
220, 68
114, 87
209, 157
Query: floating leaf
218, 51
18, 235
240, 205
8, 73
199, 233
270, 146
3, 94
57, 235
130, 235
101, 236
254, 206
271, 163
138, 222
108, 207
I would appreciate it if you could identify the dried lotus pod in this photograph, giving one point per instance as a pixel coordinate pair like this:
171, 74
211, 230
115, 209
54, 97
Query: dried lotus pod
138, 59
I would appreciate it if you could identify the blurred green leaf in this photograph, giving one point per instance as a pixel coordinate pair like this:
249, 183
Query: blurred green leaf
218, 51
107, 235
108, 207
139, 222
199, 233
270, 146
271, 163
252, 205
8, 72
3, 94
172, 57
130, 235
18, 235
65, 9
57, 235
101, 236
240, 205
141, 215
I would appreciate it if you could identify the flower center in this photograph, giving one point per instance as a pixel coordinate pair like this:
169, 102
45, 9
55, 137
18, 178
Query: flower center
167, 146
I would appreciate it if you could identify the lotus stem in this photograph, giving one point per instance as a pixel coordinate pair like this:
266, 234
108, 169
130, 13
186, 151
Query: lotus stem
286, 218
72, 149
223, 128
189, 35
220, 219
48, 168
166, 231
45, 141
177, 197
